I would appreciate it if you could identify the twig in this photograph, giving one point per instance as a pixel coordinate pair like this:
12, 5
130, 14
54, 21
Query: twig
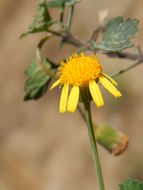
140, 60
70, 17
96, 33
61, 16
123, 55
78, 43
127, 69
68, 37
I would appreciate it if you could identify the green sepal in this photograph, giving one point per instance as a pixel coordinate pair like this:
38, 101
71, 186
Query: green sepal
85, 95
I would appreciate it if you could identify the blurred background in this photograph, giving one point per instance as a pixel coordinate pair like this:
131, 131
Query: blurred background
41, 149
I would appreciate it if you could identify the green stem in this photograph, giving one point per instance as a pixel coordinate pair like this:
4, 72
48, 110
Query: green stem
49, 72
93, 145
62, 18
127, 68
70, 17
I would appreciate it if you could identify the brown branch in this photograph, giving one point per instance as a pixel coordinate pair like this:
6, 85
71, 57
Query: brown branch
68, 37
78, 43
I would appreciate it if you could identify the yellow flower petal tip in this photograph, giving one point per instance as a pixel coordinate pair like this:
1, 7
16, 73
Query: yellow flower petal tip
109, 86
55, 84
80, 71
118, 95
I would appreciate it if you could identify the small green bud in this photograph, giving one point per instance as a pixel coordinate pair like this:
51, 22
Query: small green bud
114, 141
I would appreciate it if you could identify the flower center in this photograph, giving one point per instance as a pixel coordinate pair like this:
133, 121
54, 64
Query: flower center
79, 70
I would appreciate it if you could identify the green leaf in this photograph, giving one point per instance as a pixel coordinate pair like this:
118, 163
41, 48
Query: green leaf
43, 13
62, 3
131, 184
42, 21
117, 35
37, 80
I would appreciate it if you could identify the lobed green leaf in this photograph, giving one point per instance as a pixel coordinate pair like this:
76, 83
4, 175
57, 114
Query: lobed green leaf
37, 80
42, 21
131, 184
117, 35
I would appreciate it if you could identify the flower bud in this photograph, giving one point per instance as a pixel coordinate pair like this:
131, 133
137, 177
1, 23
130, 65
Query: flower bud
114, 141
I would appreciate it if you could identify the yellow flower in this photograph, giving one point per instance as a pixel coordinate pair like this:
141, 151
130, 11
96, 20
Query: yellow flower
78, 72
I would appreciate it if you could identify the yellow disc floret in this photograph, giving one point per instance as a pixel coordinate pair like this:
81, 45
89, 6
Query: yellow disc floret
79, 70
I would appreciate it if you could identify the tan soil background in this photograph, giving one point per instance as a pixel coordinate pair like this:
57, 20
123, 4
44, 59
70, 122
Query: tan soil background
41, 149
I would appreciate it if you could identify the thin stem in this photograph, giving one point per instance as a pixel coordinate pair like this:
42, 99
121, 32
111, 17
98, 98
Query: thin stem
127, 68
70, 17
49, 72
93, 145
70, 39
62, 18
96, 33
123, 55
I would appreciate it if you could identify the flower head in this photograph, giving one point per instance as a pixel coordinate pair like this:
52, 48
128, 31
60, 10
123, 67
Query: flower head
81, 71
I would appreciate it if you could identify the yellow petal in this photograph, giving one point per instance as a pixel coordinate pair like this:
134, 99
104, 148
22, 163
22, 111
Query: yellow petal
64, 98
96, 93
108, 77
55, 84
73, 99
109, 86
